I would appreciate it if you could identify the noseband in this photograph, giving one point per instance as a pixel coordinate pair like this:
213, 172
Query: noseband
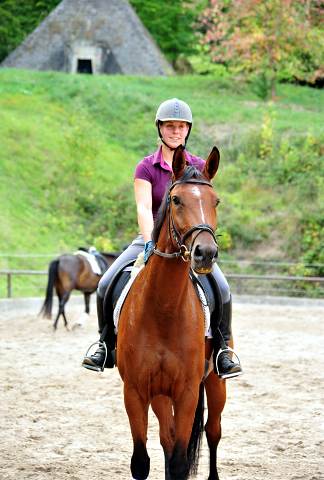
180, 240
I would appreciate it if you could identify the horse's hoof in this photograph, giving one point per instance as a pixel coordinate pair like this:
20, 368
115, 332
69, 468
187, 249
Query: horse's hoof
76, 326
68, 328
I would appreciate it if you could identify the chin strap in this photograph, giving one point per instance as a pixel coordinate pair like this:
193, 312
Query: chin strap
172, 149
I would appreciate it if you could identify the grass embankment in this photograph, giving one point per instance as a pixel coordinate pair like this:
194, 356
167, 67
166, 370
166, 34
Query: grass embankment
69, 145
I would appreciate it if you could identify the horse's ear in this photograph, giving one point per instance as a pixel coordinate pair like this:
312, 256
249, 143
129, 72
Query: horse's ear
211, 165
178, 163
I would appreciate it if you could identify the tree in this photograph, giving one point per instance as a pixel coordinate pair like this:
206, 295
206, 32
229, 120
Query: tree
171, 23
18, 19
279, 37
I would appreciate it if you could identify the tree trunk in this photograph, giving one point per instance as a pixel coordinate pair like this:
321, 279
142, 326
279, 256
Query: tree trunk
273, 88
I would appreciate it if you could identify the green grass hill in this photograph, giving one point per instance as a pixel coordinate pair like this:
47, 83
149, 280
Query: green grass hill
70, 143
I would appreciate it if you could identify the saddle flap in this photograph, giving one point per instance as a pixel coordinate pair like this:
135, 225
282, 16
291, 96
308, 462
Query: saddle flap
119, 286
101, 262
115, 288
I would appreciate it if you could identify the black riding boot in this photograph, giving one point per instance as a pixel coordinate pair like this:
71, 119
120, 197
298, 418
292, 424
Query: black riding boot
107, 338
224, 366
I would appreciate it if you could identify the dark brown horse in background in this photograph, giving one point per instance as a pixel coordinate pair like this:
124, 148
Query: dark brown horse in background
72, 272
161, 346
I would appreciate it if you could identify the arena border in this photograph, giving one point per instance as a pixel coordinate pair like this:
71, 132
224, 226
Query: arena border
273, 300
35, 303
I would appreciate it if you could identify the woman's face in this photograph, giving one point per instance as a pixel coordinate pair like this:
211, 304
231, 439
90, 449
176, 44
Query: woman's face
174, 132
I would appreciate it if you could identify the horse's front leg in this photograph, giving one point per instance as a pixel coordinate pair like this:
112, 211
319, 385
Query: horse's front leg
162, 407
184, 413
216, 398
137, 411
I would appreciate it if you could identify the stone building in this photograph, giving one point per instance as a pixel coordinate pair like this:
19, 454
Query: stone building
91, 36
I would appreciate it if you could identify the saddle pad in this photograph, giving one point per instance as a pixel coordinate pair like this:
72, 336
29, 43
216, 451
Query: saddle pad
203, 300
92, 260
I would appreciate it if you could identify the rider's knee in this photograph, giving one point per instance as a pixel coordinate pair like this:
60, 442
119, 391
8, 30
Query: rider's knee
102, 287
225, 291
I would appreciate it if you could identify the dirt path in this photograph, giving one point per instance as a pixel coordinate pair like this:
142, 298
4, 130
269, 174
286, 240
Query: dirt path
60, 421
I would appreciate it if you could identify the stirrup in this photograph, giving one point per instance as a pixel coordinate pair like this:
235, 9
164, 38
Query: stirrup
92, 367
227, 375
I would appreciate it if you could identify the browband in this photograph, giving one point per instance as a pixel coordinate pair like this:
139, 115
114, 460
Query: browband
191, 180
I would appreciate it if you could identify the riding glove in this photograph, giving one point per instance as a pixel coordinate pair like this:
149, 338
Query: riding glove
147, 251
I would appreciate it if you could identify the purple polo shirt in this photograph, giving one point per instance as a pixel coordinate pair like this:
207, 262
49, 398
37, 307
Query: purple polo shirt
153, 169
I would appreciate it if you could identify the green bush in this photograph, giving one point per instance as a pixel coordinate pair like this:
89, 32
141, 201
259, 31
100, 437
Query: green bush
70, 145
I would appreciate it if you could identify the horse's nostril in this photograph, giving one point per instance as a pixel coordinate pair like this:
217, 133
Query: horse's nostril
203, 252
215, 257
198, 252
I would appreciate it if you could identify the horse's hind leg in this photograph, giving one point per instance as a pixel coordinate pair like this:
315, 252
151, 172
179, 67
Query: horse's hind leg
216, 398
65, 320
63, 298
162, 407
137, 413
85, 314
56, 320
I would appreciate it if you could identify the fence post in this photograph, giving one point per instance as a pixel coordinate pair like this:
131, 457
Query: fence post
239, 285
9, 285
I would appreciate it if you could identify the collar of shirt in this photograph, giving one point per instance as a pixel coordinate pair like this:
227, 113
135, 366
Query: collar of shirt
164, 165
158, 158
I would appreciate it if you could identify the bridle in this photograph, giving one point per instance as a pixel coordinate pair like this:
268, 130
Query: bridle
174, 232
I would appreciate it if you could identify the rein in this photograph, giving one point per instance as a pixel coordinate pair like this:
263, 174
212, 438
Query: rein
183, 251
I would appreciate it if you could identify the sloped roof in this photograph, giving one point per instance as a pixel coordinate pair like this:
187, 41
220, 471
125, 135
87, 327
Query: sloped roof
107, 30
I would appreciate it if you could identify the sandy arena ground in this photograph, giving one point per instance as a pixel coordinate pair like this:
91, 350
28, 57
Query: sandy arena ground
60, 421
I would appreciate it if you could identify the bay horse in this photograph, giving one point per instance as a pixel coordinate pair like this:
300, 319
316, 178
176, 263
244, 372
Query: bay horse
161, 346
72, 272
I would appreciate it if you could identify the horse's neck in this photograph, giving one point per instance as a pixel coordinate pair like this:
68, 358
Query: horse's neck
171, 273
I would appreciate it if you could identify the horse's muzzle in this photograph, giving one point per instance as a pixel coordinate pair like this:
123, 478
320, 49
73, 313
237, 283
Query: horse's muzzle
203, 258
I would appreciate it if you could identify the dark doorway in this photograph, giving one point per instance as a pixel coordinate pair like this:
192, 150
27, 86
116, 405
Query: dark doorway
84, 66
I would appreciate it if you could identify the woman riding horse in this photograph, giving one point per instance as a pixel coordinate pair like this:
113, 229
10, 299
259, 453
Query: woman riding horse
174, 122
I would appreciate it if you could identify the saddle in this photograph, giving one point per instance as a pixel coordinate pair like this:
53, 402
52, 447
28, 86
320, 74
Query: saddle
207, 283
91, 255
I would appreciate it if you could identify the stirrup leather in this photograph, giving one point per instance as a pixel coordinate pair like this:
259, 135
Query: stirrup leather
92, 367
227, 375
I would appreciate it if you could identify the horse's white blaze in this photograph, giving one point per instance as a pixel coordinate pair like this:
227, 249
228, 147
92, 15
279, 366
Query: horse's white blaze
197, 194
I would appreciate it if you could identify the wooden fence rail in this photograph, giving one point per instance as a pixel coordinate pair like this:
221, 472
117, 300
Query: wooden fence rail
269, 277
20, 272
238, 276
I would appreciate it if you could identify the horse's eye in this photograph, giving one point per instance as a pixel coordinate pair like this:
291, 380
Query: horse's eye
176, 200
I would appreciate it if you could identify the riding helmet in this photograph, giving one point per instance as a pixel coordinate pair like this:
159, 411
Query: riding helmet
174, 110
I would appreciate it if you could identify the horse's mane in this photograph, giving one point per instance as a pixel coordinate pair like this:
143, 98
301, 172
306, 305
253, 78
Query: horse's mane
189, 172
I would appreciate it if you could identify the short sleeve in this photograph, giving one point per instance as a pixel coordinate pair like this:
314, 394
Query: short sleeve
142, 171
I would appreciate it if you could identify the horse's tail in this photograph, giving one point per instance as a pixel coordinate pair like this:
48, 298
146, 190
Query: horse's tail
196, 433
47, 306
